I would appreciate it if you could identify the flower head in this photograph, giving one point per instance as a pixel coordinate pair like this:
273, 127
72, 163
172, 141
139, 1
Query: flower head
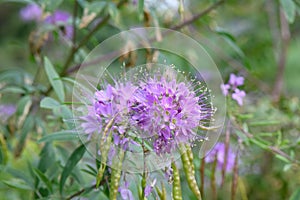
158, 108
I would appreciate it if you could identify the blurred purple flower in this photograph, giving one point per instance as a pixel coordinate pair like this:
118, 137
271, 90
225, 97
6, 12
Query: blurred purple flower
6, 111
238, 95
32, 12
219, 151
149, 188
125, 193
235, 81
225, 89
62, 20
231, 87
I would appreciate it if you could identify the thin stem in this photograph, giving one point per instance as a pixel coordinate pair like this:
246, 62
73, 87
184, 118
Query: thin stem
235, 176
285, 38
74, 22
197, 16
202, 174
227, 139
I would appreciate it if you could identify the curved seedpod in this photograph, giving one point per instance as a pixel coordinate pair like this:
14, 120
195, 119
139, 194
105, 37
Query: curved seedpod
116, 174
176, 183
104, 148
162, 193
105, 143
189, 172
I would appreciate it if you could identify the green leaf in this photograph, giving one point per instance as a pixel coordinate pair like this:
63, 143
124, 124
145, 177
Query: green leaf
141, 9
295, 195
223, 32
12, 89
44, 179
66, 135
284, 159
71, 163
49, 103
22, 104
18, 184
289, 8
66, 114
47, 157
113, 12
96, 7
55, 80
27, 127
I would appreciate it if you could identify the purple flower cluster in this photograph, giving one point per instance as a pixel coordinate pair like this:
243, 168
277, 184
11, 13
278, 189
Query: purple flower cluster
60, 19
163, 112
219, 153
232, 88
169, 111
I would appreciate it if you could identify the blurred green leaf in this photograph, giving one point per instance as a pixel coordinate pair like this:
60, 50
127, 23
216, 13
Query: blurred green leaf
295, 195
289, 8
264, 123
44, 179
22, 103
96, 6
49, 103
284, 159
60, 136
113, 12
47, 157
12, 89
223, 32
71, 163
54, 79
18, 184
66, 114
50, 5
141, 9
27, 127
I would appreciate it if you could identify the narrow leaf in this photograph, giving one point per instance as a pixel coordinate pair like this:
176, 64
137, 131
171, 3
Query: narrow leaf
49, 103
59, 136
71, 163
289, 8
55, 80
44, 179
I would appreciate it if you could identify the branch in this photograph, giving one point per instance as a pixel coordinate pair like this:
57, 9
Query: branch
285, 38
197, 16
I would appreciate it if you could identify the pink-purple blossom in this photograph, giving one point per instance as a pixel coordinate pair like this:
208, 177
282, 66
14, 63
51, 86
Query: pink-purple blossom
162, 111
231, 88
219, 153
6, 111
61, 19
32, 12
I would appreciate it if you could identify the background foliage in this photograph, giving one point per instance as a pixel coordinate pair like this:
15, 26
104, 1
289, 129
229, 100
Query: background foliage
41, 157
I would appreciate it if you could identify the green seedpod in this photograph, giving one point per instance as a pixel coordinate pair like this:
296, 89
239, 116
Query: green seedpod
189, 172
116, 175
161, 193
190, 155
105, 144
177, 195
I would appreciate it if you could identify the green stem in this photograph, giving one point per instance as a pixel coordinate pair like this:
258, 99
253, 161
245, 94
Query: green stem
116, 175
189, 172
